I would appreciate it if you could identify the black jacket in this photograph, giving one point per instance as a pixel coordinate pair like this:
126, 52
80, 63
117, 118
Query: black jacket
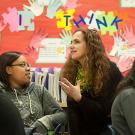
92, 114
10, 119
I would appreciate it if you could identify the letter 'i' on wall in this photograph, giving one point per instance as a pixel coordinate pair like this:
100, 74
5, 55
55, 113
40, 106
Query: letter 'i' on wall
25, 20
20, 20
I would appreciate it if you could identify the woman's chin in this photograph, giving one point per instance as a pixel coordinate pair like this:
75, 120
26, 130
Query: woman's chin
74, 57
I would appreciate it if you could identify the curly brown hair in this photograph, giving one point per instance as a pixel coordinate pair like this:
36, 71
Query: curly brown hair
96, 62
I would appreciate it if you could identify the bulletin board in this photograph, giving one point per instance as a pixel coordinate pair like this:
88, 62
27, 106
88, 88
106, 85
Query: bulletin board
25, 24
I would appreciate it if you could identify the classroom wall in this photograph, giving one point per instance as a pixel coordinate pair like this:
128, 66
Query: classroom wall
20, 28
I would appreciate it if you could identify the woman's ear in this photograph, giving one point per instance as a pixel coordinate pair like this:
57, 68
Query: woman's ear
9, 70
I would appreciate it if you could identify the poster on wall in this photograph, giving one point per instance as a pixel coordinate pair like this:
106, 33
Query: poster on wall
127, 3
34, 27
53, 50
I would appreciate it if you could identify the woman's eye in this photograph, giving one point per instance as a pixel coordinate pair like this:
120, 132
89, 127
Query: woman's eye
76, 41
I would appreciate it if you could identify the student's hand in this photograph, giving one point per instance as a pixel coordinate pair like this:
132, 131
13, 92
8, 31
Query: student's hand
71, 90
39, 128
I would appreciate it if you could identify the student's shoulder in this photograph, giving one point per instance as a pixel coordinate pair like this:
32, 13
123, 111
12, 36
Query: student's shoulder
126, 93
38, 88
34, 88
126, 96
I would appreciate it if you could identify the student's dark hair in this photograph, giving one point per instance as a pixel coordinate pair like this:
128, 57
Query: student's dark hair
6, 59
128, 81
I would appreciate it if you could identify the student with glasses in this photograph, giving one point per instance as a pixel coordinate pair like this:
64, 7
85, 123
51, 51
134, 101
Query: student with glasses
89, 79
37, 107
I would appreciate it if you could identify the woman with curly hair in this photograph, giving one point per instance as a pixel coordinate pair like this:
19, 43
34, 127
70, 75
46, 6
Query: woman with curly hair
89, 79
123, 108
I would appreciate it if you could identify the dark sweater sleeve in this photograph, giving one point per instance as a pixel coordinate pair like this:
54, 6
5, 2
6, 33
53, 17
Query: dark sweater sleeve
99, 108
10, 119
92, 110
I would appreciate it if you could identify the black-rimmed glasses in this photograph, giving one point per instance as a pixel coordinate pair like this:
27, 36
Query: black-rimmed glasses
24, 65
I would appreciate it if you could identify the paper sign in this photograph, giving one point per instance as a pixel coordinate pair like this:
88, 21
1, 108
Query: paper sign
52, 51
127, 3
